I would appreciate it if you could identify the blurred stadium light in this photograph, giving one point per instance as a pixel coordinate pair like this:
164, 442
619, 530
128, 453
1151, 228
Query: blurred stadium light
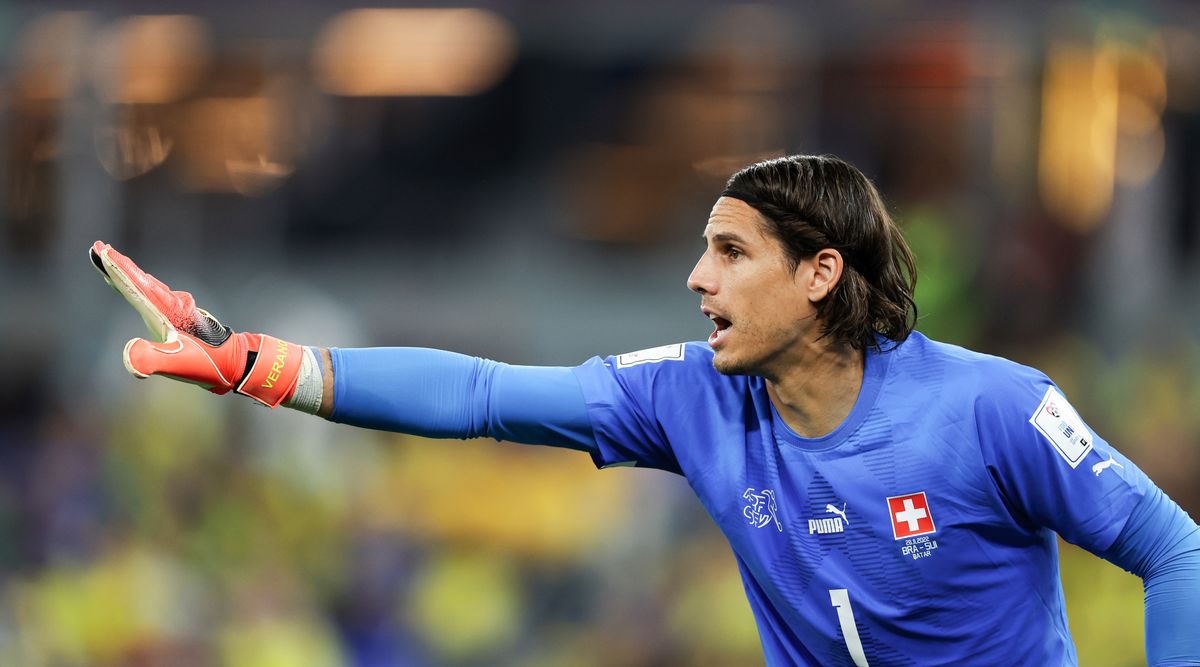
372, 52
1079, 132
51, 54
237, 144
1102, 103
149, 59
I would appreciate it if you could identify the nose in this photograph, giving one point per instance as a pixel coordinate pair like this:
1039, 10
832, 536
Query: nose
701, 280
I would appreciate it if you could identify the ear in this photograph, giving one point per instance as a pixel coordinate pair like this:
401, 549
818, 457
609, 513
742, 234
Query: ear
825, 270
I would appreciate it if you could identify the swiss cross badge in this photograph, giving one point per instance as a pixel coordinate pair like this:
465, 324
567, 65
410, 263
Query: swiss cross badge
910, 515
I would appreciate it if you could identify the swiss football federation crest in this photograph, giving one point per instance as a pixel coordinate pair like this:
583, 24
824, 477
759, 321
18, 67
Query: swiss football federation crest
761, 509
910, 515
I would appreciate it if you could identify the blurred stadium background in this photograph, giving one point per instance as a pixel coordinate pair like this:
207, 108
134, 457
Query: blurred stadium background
528, 182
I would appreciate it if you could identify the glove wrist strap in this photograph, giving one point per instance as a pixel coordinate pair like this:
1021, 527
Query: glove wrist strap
275, 372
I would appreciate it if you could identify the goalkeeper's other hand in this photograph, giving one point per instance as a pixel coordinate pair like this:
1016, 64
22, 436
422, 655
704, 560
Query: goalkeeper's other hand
191, 345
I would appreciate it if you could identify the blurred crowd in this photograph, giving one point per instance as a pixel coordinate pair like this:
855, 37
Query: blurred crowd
167, 533
529, 184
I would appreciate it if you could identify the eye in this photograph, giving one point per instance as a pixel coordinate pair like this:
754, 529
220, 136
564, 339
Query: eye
733, 253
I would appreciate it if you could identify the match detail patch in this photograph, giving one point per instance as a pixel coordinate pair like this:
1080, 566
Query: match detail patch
652, 355
1063, 427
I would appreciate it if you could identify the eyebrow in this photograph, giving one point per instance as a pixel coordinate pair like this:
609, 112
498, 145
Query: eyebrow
727, 237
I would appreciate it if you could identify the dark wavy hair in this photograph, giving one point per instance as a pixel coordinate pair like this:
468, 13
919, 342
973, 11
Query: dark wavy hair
813, 202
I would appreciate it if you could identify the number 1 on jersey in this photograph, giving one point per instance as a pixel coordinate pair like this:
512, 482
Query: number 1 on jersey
840, 598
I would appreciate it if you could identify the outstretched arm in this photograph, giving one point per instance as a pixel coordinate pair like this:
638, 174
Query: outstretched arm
411, 390
187, 343
441, 394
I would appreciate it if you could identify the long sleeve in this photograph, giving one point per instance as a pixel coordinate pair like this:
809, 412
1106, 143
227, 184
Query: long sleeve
441, 394
1161, 544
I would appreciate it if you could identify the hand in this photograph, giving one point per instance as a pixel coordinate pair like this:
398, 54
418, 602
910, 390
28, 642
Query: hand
191, 345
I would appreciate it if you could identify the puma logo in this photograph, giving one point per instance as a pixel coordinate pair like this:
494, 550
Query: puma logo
1105, 465
832, 525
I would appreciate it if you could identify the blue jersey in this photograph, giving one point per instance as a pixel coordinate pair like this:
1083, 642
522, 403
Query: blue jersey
919, 532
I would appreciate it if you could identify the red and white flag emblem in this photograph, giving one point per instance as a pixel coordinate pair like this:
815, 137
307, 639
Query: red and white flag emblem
910, 515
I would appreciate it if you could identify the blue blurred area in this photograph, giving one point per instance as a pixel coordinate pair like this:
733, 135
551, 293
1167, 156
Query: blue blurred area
529, 182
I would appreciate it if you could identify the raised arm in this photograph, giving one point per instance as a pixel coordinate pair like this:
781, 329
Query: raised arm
412, 390
441, 394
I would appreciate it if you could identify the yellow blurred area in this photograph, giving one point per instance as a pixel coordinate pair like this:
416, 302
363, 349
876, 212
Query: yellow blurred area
1104, 607
279, 643
709, 614
535, 502
127, 599
468, 605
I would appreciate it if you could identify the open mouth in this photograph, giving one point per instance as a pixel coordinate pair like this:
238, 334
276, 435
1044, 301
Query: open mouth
722, 329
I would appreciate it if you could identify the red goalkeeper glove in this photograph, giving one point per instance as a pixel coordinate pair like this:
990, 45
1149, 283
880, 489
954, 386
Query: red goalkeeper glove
191, 345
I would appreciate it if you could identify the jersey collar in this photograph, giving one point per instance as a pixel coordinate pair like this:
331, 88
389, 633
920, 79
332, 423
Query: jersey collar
875, 368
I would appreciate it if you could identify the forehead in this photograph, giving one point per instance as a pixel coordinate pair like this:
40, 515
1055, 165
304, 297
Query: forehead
734, 216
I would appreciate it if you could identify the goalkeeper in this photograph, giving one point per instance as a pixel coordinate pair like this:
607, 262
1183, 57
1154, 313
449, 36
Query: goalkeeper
890, 500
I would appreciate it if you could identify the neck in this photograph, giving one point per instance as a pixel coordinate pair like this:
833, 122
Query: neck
816, 394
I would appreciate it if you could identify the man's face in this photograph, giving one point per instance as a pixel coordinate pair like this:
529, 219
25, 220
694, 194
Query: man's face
761, 308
